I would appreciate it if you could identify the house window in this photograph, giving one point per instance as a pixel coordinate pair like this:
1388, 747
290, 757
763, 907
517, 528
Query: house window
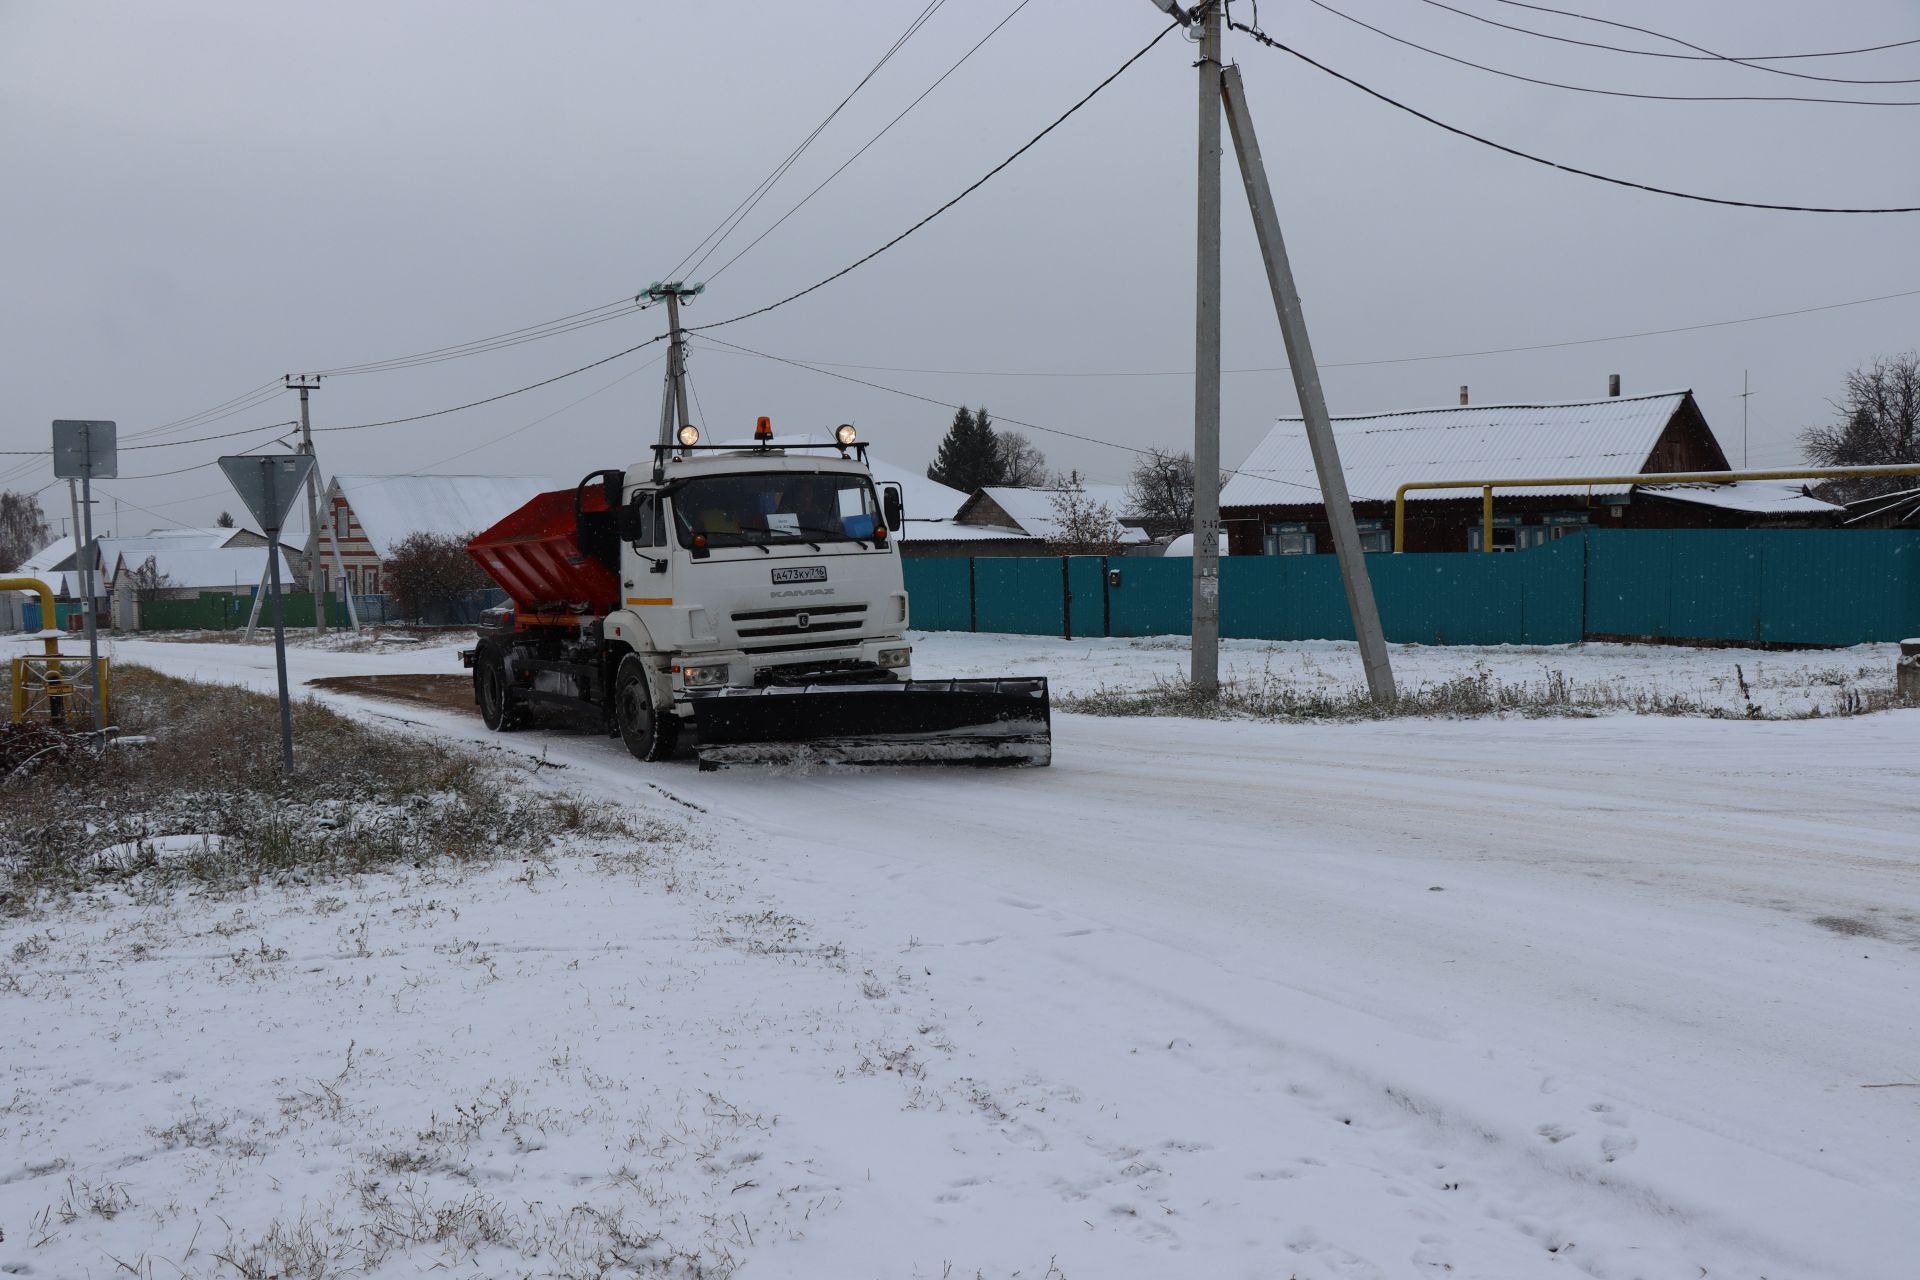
1289, 540
342, 520
1375, 536
1506, 537
1562, 523
370, 578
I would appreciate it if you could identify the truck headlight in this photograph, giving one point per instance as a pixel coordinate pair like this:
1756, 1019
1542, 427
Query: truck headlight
896, 657
702, 677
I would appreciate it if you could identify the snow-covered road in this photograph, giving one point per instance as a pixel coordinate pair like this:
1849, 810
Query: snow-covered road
1370, 999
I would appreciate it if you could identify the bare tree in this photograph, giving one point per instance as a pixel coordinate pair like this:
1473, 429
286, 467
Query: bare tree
1083, 526
149, 583
1877, 424
23, 529
428, 575
1160, 492
1022, 465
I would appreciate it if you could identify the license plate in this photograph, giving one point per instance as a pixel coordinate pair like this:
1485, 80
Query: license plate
806, 573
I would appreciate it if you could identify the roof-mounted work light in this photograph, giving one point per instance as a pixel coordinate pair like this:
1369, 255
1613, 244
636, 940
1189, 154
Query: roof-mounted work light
844, 434
689, 435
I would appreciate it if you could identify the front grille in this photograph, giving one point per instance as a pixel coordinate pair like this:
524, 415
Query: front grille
826, 619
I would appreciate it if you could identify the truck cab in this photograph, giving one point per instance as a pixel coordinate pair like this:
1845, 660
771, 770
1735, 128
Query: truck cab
748, 567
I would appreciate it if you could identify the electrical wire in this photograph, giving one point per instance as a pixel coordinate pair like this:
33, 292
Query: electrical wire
980, 182
746, 206
1687, 44
1364, 364
735, 348
245, 400
512, 338
870, 141
1749, 61
1609, 93
542, 418
474, 404
225, 435
1270, 42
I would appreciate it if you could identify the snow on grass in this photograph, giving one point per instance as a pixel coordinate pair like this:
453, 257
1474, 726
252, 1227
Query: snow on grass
1324, 678
1495, 998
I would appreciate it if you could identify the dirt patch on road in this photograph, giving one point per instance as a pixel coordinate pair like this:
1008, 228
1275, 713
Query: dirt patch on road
450, 693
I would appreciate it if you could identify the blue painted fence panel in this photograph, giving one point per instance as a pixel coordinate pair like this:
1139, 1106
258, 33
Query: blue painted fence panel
1776, 586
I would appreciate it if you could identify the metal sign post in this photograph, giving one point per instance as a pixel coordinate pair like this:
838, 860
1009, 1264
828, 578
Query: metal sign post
83, 449
268, 484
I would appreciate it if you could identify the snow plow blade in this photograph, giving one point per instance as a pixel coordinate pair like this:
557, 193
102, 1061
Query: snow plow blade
1005, 721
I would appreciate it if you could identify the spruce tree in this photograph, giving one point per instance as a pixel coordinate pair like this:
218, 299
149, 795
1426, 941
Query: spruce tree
969, 457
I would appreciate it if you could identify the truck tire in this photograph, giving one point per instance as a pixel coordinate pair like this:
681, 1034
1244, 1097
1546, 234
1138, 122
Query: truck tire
647, 733
490, 690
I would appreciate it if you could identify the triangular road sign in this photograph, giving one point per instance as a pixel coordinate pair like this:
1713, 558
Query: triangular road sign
268, 483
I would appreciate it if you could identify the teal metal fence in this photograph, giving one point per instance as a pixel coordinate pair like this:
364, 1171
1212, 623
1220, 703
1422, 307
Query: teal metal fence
1779, 586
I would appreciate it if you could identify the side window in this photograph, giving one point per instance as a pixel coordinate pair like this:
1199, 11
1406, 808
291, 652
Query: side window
645, 528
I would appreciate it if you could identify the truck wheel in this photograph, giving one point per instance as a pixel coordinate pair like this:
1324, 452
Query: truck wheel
647, 733
499, 712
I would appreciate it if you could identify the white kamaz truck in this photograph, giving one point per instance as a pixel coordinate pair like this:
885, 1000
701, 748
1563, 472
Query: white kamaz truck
741, 601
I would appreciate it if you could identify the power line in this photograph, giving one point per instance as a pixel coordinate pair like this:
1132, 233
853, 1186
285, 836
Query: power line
1687, 44
1749, 61
746, 206
512, 338
981, 182
1364, 364
225, 435
1610, 93
542, 418
474, 404
164, 444
735, 348
1270, 42
870, 141
246, 400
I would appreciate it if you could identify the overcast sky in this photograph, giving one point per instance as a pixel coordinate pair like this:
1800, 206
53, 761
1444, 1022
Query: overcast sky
200, 197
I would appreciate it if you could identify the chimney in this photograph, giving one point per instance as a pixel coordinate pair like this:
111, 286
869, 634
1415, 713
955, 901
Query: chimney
1613, 384
1463, 394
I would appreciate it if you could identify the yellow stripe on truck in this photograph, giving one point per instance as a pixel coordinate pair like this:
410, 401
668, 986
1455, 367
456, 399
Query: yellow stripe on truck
649, 599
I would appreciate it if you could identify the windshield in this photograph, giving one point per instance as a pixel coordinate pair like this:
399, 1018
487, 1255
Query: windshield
773, 507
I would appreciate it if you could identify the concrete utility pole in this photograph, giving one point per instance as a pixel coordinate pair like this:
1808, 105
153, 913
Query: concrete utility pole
316, 571
673, 401
83, 561
1313, 400
1205, 669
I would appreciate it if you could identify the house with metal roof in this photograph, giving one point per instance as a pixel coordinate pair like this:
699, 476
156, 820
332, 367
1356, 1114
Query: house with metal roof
366, 517
1271, 504
1005, 521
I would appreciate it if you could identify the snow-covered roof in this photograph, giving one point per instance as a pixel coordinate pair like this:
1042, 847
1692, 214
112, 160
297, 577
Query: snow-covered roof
1032, 510
393, 508
953, 531
191, 568
48, 559
925, 499
1764, 497
1381, 452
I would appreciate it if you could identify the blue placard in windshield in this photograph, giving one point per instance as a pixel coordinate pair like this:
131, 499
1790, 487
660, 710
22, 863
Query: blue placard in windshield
805, 573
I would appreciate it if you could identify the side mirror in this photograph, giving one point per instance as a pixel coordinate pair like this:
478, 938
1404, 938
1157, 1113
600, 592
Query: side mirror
636, 524
890, 506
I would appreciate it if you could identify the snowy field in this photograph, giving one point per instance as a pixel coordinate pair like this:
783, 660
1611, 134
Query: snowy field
1620, 997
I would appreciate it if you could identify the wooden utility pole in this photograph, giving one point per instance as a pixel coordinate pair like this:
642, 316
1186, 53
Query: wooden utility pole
1313, 400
